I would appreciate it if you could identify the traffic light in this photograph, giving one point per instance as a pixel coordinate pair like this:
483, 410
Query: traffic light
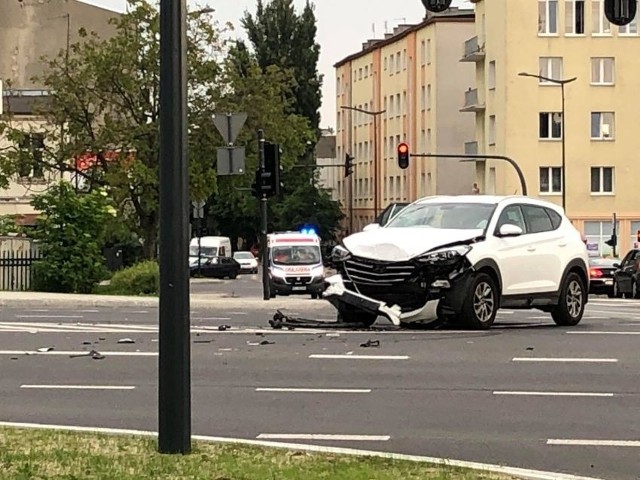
436, 6
620, 12
403, 155
348, 165
613, 241
270, 177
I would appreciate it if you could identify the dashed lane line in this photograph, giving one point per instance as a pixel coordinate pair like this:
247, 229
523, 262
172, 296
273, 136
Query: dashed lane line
313, 390
320, 436
564, 360
555, 394
593, 443
79, 387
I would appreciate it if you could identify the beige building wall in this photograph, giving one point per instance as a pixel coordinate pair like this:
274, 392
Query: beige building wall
31, 29
600, 168
413, 76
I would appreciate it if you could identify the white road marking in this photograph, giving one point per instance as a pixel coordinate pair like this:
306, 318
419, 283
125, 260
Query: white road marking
135, 312
88, 311
597, 332
577, 360
507, 312
486, 467
80, 387
318, 436
238, 313
594, 443
314, 390
49, 316
36, 310
360, 357
595, 318
555, 394
220, 319
81, 352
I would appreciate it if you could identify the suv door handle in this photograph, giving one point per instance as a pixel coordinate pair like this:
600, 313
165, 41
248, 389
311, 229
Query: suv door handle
562, 244
531, 249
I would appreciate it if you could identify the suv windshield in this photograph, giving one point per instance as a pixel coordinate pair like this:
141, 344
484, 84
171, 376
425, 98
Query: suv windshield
243, 256
296, 255
460, 216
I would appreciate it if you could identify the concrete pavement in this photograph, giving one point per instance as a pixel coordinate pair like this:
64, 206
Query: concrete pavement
526, 393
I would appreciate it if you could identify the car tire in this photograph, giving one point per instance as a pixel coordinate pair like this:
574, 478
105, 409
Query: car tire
353, 316
573, 298
233, 275
479, 309
314, 296
634, 290
615, 291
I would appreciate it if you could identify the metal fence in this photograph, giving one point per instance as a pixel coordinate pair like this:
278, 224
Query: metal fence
15, 269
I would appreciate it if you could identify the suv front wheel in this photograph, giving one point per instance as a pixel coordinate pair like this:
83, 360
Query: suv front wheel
573, 298
480, 307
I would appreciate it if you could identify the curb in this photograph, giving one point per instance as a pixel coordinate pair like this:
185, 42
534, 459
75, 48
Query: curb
19, 299
522, 473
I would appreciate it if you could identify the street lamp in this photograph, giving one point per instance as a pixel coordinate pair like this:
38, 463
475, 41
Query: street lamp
375, 152
562, 83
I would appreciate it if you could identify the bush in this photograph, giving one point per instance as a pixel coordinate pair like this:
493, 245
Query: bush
141, 279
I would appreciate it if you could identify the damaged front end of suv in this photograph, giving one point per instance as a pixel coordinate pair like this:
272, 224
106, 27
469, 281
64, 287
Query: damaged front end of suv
413, 289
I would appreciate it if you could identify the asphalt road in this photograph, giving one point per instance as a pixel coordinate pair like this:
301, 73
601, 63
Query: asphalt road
525, 393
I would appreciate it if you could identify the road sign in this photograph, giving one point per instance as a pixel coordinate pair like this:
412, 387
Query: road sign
229, 125
198, 209
231, 161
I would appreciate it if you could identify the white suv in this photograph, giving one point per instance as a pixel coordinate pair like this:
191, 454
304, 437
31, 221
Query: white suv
462, 258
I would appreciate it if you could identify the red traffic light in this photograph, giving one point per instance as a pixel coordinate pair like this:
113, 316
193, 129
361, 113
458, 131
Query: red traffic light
403, 155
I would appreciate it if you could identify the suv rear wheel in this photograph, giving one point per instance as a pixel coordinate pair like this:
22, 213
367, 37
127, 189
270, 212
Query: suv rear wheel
573, 298
480, 307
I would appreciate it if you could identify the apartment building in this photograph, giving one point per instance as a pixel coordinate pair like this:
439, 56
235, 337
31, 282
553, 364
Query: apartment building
29, 30
409, 84
520, 115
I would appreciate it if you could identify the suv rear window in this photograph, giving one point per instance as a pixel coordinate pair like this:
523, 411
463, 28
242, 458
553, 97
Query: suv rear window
537, 219
555, 217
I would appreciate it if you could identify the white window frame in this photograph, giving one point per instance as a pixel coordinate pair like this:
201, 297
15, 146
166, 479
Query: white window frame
601, 27
601, 64
491, 134
423, 98
550, 122
549, 172
570, 10
546, 69
629, 30
604, 136
491, 81
546, 28
429, 96
601, 190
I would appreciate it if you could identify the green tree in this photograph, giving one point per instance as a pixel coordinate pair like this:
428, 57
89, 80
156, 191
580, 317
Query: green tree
71, 230
104, 101
280, 36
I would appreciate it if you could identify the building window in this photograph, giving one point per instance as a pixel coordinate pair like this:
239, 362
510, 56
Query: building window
602, 125
601, 179
428, 146
601, 26
602, 70
423, 52
630, 29
423, 98
547, 17
423, 140
398, 62
428, 50
404, 59
391, 64
635, 231
492, 130
550, 67
597, 233
398, 105
491, 83
385, 63
550, 124
31, 153
574, 17
429, 97
550, 180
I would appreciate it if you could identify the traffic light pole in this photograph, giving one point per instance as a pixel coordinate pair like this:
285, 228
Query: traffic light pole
266, 291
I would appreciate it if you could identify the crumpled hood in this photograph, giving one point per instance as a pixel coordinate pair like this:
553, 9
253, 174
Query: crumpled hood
401, 244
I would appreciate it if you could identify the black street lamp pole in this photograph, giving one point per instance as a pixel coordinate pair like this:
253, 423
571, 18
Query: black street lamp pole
174, 405
562, 83
376, 174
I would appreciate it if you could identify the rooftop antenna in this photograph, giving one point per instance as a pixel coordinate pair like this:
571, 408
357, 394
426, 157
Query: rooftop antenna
373, 29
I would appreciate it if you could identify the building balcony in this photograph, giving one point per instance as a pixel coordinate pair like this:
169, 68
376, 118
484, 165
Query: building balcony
473, 50
470, 148
472, 103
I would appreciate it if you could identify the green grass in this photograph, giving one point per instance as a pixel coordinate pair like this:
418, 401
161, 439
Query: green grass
46, 454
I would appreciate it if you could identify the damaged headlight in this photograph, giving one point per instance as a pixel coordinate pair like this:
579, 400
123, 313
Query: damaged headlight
339, 254
445, 254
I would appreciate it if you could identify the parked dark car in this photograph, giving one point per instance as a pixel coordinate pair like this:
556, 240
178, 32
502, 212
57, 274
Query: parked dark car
601, 272
215, 267
627, 275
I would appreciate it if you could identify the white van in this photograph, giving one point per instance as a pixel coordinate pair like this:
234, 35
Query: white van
210, 247
295, 264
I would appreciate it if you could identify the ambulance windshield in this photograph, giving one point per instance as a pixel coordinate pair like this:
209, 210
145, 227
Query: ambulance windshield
296, 255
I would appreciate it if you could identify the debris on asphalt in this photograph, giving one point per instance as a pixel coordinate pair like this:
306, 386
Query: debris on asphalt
86, 343
94, 354
267, 342
45, 349
370, 343
202, 341
101, 338
14, 358
126, 340
529, 348
223, 328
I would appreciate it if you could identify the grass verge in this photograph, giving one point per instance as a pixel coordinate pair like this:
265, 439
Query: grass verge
46, 454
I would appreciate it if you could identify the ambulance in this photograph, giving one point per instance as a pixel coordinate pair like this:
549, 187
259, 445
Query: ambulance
295, 264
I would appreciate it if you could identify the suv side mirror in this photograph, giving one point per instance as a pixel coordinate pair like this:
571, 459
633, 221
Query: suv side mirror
371, 226
510, 230
616, 265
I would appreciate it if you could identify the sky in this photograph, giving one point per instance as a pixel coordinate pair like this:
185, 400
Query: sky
338, 35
